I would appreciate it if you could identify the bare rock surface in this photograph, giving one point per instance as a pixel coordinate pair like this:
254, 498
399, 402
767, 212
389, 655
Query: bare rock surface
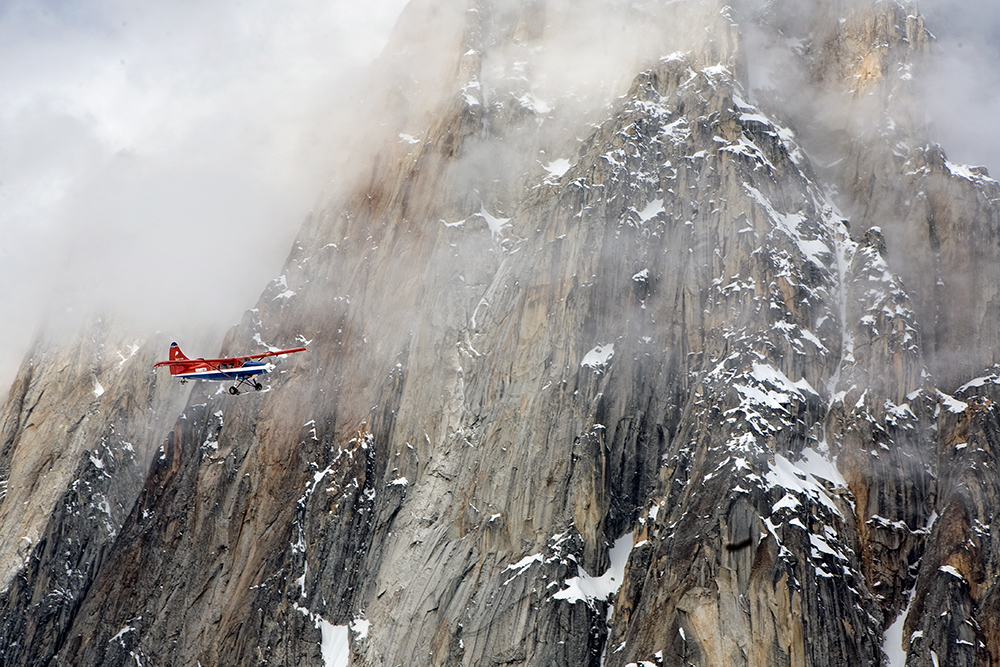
80, 425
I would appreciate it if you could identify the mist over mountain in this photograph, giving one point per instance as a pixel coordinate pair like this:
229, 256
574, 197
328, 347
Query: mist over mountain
157, 160
637, 333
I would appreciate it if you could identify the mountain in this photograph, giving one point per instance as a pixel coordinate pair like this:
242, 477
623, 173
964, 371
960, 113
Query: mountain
640, 334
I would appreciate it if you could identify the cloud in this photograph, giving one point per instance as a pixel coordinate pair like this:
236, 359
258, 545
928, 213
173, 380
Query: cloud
157, 159
962, 83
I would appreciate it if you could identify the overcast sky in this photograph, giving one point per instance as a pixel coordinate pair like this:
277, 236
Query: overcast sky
963, 93
162, 155
159, 157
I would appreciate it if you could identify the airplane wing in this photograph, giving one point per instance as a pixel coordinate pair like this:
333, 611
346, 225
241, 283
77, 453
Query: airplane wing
228, 360
266, 354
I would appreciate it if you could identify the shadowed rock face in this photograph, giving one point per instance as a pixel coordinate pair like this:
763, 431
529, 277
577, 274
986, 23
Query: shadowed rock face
80, 425
595, 377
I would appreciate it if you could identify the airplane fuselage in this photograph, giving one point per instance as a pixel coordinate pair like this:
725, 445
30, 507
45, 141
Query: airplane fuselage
222, 372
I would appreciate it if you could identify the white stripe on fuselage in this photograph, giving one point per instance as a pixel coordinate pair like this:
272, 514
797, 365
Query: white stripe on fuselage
226, 374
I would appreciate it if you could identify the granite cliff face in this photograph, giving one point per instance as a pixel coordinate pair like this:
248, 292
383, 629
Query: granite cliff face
78, 426
656, 369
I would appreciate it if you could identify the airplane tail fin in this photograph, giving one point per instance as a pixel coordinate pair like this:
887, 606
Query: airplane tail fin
176, 354
174, 361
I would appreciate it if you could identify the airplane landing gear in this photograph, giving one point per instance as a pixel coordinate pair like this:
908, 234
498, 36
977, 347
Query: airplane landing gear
235, 389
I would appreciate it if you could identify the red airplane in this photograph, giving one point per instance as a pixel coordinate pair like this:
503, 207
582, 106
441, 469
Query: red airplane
236, 369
